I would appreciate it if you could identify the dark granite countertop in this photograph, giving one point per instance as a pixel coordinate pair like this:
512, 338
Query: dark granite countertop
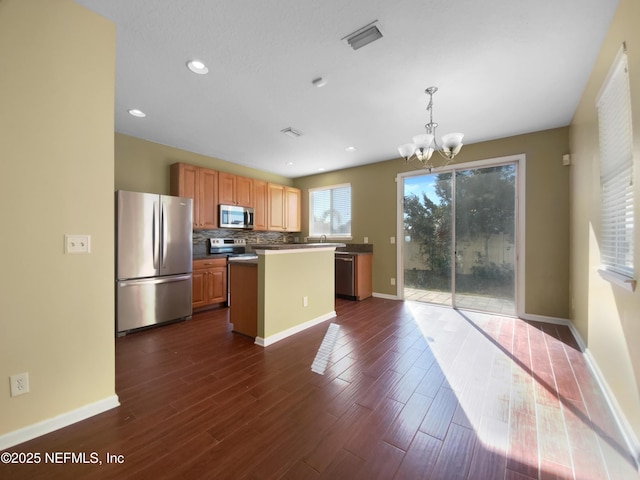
356, 248
351, 252
293, 246
208, 256
350, 248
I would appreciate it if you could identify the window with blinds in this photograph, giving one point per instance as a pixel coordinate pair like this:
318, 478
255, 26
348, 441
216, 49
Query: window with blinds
330, 211
616, 170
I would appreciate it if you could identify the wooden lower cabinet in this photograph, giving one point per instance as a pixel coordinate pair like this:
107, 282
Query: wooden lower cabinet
209, 283
354, 275
363, 276
243, 307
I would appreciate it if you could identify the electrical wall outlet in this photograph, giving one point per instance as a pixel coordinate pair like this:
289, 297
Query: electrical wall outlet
305, 301
366, 239
393, 281
19, 384
392, 240
77, 244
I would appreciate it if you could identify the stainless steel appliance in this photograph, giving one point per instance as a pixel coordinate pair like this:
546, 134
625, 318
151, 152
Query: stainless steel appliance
233, 216
227, 246
232, 248
153, 259
345, 275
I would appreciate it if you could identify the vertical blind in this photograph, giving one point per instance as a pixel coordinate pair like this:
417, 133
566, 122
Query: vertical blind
616, 170
330, 211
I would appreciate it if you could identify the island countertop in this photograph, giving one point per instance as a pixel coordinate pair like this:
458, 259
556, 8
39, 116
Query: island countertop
293, 246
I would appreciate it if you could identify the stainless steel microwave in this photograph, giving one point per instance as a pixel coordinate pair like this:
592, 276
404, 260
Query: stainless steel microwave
233, 216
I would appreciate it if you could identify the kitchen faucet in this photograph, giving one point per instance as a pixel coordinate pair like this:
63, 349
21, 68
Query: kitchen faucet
322, 238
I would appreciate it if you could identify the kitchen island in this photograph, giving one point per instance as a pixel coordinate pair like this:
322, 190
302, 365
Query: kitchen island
294, 289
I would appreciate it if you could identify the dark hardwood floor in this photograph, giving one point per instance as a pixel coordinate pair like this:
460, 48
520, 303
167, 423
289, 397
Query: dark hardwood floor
410, 391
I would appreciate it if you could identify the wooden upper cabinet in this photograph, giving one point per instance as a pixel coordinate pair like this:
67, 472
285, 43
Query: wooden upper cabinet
275, 207
184, 181
260, 207
244, 191
293, 199
226, 188
200, 184
235, 190
284, 208
208, 199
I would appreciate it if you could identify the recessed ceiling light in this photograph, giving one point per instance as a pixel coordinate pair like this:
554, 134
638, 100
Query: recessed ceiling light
196, 66
289, 163
351, 149
137, 113
321, 169
319, 82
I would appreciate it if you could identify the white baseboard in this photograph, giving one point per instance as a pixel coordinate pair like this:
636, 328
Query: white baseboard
629, 435
47, 426
627, 432
385, 295
271, 339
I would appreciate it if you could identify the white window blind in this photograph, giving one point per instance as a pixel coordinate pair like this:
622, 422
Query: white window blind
616, 170
330, 211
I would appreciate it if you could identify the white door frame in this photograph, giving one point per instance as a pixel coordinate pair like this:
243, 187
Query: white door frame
520, 162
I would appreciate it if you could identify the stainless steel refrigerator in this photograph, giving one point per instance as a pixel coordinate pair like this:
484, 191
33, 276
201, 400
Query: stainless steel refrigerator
153, 259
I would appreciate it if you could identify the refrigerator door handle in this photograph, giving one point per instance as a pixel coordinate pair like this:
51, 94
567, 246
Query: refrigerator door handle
163, 222
154, 234
154, 281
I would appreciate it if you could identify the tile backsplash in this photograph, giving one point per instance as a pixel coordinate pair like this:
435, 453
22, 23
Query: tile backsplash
250, 236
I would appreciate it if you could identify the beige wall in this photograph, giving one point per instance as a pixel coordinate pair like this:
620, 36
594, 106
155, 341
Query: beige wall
284, 279
547, 213
56, 177
143, 166
607, 316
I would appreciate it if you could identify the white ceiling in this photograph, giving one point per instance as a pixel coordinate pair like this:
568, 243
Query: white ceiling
503, 68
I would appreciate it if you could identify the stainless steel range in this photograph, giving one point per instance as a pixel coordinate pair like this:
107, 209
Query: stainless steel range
229, 247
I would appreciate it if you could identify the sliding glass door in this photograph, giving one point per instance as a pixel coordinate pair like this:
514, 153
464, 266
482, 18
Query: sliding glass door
459, 238
427, 238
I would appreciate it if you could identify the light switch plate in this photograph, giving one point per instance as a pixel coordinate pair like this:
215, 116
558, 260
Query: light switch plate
77, 244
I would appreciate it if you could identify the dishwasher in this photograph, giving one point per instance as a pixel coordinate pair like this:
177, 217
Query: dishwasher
345, 275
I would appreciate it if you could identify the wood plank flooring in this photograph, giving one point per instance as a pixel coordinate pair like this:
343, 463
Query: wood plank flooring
411, 391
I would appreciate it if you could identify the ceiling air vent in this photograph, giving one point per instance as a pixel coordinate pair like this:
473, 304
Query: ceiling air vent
290, 132
364, 36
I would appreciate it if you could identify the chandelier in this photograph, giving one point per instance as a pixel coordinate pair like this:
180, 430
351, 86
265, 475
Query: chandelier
425, 144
